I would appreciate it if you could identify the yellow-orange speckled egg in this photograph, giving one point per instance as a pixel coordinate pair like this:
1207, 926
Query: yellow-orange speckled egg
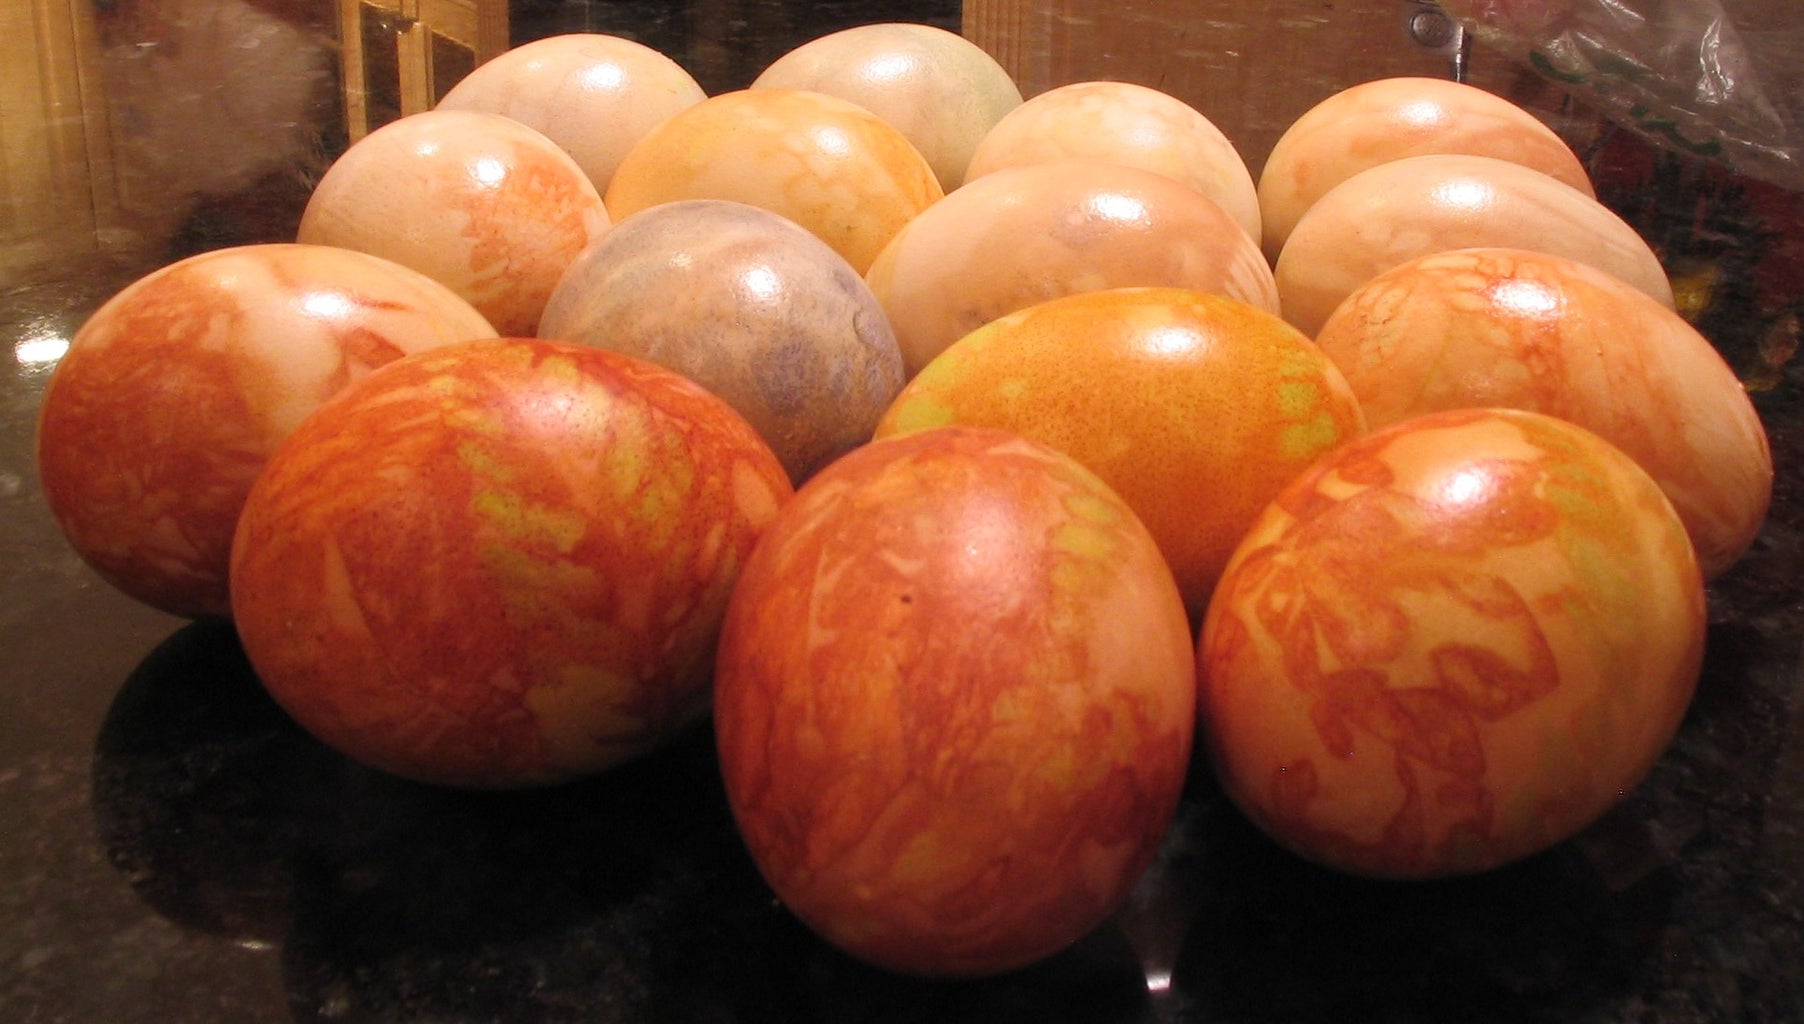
954, 702
1194, 407
1375, 122
1526, 330
938, 88
479, 202
593, 94
176, 390
1125, 123
826, 163
1451, 644
1022, 235
1420, 205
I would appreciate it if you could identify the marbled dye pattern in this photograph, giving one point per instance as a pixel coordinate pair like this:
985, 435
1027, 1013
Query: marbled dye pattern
1023, 235
175, 391
490, 208
502, 564
954, 702
594, 95
938, 88
1420, 205
749, 305
1195, 408
1391, 118
826, 163
1507, 327
1125, 123
1452, 644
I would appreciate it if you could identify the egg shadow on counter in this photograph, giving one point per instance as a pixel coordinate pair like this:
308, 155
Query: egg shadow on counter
1278, 939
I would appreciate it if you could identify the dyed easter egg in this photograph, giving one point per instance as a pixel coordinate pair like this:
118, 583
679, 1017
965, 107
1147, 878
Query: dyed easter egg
1453, 643
1022, 235
1390, 118
501, 564
1195, 408
954, 702
1507, 327
1421, 205
938, 88
593, 94
1125, 123
826, 163
749, 305
479, 202
176, 390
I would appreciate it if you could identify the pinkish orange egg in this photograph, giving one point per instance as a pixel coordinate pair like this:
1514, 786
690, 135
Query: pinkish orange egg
1124, 123
826, 163
1453, 643
593, 94
1508, 327
503, 563
479, 202
941, 90
1022, 235
1391, 118
954, 702
1420, 205
176, 390
749, 305
1195, 408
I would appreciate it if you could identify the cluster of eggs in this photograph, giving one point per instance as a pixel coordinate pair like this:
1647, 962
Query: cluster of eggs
972, 461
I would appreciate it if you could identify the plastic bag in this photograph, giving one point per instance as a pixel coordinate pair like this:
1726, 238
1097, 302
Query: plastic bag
1680, 72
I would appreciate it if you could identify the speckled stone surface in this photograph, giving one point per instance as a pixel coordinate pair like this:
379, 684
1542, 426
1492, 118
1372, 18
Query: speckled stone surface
173, 849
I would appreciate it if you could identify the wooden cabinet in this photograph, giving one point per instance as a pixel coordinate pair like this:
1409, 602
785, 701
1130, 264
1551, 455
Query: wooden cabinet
400, 56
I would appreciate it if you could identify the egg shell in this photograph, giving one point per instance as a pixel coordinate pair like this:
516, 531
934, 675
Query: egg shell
1453, 643
1420, 205
1391, 118
954, 702
502, 563
826, 163
476, 201
1125, 123
1022, 235
595, 95
1508, 327
941, 90
175, 391
1195, 408
749, 305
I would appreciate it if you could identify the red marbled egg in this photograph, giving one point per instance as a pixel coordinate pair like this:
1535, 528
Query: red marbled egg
1453, 643
954, 702
503, 563
175, 391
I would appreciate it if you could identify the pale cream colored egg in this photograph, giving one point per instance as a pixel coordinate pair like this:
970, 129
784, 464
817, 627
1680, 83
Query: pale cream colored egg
1391, 118
595, 95
1125, 123
1403, 209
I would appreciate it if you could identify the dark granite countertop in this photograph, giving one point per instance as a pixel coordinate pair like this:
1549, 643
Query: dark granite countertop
173, 849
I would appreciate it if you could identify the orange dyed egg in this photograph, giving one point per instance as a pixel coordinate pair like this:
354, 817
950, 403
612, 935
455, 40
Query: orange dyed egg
593, 94
826, 163
954, 702
941, 90
176, 390
479, 202
1421, 205
1124, 123
503, 563
1455, 642
1506, 327
1391, 118
1023, 235
1195, 408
